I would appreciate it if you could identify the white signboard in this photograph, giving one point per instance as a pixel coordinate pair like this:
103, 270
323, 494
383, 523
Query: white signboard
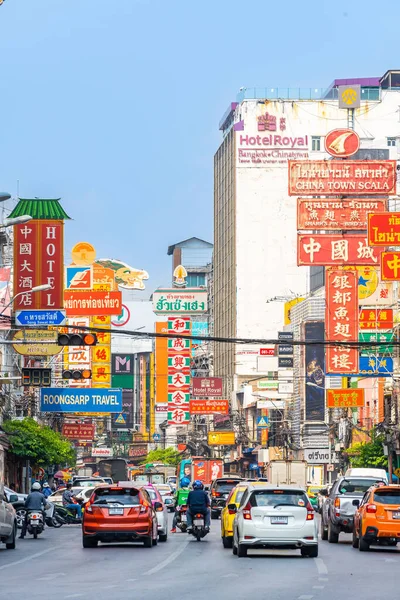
317, 456
267, 385
271, 404
190, 301
267, 363
103, 452
285, 388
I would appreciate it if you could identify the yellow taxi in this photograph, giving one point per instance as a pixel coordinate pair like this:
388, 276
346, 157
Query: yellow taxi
228, 516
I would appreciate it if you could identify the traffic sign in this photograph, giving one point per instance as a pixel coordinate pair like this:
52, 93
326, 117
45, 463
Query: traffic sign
156, 437
36, 318
120, 419
263, 423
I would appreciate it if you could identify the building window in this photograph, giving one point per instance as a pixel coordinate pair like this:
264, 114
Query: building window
196, 280
391, 141
316, 143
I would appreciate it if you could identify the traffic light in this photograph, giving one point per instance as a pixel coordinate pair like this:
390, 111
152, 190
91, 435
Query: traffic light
77, 339
36, 377
77, 374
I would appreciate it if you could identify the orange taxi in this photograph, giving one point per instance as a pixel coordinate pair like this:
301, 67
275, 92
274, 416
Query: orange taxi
377, 518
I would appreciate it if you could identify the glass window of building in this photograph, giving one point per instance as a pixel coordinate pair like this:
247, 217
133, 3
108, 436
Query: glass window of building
316, 143
391, 141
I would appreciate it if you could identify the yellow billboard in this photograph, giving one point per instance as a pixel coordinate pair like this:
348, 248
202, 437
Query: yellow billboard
288, 307
221, 438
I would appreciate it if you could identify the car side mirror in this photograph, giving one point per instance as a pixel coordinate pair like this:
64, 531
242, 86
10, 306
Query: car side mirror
13, 498
232, 508
158, 506
356, 502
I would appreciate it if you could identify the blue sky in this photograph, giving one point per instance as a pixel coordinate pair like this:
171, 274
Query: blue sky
113, 105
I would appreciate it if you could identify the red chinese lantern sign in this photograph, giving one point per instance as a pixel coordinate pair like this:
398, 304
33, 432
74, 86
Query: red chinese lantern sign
384, 229
328, 250
38, 260
342, 142
341, 320
345, 398
336, 213
390, 266
334, 177
376, 318
179, 357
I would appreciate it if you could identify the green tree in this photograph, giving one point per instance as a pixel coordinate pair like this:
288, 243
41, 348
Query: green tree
168, 456
368, 454
38, 443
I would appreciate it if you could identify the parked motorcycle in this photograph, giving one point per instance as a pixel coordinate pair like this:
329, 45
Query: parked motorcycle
199, 529
35, 523
181, 518
65, 516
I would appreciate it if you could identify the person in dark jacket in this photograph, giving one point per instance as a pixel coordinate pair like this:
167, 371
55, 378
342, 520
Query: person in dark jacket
198, 501
34, 501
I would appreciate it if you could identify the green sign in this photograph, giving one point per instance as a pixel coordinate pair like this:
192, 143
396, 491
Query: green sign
381, 336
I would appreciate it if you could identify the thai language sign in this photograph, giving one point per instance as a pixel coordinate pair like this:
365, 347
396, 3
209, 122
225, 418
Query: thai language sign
328, 249
376, 318
384, 229
93, 302
344, 398
188, 301
341, 320
38, 259
102, 452
338, 213
207, 386
209, 407
331, 178
78, 431
78, 400
390, 266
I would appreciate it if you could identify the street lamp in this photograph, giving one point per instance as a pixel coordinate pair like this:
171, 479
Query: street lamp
16, 221
4, 196
38, 288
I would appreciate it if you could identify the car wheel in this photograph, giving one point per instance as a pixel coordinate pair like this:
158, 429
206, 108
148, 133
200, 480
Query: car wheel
242, 551
163, 537
392, 544
88, 542
309, 551
227, 542
355, 541
324, 531
363, 546
214, 514
234, 547
20, 517
148, 542
10, 542
333, 535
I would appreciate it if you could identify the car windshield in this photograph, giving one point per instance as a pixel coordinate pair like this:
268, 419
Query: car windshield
275, 497
352, 486
224, 487
152, 493
119, 496
387, 497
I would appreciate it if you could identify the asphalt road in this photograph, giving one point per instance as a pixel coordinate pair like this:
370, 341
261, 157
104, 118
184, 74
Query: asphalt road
55, 565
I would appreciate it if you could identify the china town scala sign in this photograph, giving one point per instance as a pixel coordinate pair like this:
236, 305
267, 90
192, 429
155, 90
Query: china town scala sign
332, 177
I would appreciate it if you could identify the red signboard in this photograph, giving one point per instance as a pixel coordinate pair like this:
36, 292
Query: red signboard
179, 357
267, 351
333, 177
384, 229
92, 303
376, 318
341, 320
390, 266
209, 407
345, 398
338, 213
330, 250
342, 142
207, 386
207, 470
78, 431
38, 259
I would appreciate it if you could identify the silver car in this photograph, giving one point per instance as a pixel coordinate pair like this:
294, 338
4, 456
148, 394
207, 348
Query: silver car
161, 512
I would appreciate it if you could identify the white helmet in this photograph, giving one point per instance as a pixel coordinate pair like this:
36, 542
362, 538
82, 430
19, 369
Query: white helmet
36, 486
46, 485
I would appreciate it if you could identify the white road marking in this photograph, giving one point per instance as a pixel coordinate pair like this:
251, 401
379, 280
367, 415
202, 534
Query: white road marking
391, 560
229, 575
323, 579
74, 596
321, 566
50, 576
131, 579
305, 597
318, 587
168, 560
30, 557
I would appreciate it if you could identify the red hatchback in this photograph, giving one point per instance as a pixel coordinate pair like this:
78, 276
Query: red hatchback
117, 513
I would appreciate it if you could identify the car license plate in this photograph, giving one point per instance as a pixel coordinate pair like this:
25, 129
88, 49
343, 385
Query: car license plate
199, 522
116, 511
279, 520
183, 518
396, 515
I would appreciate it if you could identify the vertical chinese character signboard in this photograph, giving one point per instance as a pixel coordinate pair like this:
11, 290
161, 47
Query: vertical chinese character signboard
341, 320
179, 351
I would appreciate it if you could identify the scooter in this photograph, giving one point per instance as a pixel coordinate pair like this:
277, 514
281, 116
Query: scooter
199, 529
181, 518
65, 516
50, 518
35, 523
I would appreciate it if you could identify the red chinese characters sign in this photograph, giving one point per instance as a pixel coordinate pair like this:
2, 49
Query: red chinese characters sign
390, 266
384, 229
333, 177
209, 407
38, 260
341, 320
328, 250
179, 356
338, 213
376, 318
78, 431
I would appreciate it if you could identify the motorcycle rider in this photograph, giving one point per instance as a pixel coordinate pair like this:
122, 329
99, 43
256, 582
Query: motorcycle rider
180, 499
34, 501
46, 490
198, 501
68, 501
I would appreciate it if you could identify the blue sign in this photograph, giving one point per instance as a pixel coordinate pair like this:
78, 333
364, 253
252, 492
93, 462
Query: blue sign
156, 437
375, 366
40, 317
75, 400
262, 423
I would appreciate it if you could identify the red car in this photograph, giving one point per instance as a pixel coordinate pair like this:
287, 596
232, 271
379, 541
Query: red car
118, 513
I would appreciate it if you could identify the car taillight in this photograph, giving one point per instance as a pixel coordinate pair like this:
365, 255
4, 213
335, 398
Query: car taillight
310, 512
247, 512
183, 508
215, 494
371, 508
337, 502
88, 507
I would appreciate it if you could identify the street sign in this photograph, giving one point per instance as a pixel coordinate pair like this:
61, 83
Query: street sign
156, 437
263, 423
78, 400
36, 318
120, 419
36, 342
285, 362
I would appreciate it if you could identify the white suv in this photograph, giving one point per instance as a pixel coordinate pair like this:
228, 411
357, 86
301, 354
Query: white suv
275, 517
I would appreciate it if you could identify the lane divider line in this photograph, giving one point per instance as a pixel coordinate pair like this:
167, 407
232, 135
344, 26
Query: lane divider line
321, 566
168, 560
27, 558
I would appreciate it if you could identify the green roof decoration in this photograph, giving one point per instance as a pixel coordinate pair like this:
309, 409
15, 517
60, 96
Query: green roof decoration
40, 209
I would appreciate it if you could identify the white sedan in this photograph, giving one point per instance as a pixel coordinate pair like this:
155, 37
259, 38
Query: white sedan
275, 517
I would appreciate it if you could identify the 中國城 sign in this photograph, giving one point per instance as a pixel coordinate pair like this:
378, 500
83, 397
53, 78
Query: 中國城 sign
74, 400
330, 178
